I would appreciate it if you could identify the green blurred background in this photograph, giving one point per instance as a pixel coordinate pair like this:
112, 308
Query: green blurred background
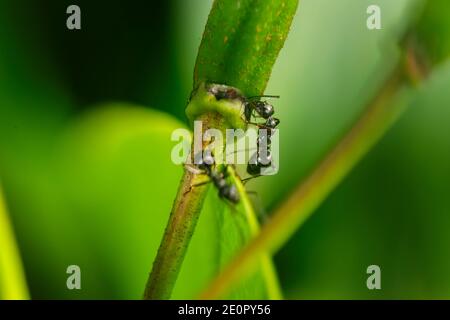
85, 124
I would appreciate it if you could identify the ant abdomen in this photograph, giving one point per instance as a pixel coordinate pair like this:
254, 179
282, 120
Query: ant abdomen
232, 194
218, 176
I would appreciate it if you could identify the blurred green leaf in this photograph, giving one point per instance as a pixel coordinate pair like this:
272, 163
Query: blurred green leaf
433, 30
12, 279
241, 42
102, 201
33, 105
119, 186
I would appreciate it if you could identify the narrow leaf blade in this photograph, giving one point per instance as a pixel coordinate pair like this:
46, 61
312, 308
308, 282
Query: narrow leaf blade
241, 42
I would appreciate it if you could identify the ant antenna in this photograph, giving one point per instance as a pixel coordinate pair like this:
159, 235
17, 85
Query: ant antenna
264, 96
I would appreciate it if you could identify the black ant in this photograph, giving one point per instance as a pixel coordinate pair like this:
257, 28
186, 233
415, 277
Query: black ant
218, 178
265, 111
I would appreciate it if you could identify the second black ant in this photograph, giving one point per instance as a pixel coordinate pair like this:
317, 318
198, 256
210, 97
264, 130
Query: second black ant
264, 110
218, 178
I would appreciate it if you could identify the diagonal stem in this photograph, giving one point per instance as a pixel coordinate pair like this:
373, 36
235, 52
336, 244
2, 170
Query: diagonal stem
178, 233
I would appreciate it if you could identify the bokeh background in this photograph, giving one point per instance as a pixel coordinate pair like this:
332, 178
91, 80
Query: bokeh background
85, 124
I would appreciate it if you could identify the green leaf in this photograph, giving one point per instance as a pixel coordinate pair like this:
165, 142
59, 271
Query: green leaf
237, 225
119, 187
32, 107
241, 42
12, 278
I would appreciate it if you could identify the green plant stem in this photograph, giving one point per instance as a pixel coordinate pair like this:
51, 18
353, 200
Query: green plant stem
179, 230
12, 278
287, 218
178, 233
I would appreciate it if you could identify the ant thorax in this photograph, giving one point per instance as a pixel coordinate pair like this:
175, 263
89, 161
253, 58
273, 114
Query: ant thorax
217, 174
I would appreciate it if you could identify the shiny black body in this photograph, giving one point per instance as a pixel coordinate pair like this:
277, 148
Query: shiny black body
218, 178
258, 108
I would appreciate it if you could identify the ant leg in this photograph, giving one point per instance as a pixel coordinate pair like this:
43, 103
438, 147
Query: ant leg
259, 125
195, 170
264, 96
244, 181
242, 150
236, 174
200, 184
253, 116
196, 185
